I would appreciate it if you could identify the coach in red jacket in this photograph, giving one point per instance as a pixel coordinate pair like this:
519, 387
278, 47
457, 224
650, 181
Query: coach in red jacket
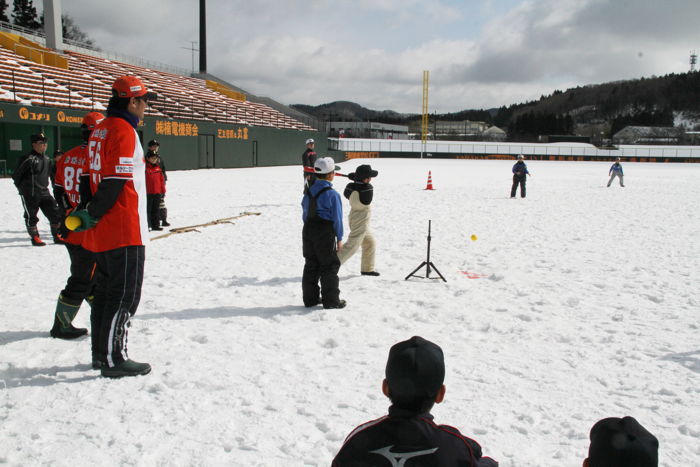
115, 224
69, 169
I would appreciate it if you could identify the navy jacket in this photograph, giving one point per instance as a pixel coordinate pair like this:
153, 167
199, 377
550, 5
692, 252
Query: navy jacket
411, 440
616, 167
328, 205
520, 169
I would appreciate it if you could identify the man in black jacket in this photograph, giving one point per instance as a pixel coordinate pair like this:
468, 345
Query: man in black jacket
31, 177
408, 436
308, 159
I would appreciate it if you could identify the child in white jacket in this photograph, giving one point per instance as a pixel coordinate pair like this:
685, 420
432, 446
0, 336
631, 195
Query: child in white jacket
360, 192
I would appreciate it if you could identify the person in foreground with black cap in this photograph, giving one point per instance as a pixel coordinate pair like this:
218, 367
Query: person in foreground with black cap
154, 149
31, 177
115, 223
408, 436
359, 193
322, 238
621, 442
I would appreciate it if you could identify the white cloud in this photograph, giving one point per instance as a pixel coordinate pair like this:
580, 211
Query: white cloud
374, 51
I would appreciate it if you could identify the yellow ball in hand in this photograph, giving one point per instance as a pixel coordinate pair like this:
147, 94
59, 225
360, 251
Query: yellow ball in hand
473, 237
73, 222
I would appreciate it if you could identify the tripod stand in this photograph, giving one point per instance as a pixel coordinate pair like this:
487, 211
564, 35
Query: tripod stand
427, 263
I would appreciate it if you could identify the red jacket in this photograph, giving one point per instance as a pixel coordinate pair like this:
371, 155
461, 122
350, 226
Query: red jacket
155, 180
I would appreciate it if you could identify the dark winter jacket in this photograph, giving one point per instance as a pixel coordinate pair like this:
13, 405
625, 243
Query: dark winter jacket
616, 167
520, 169
308, 158
31, 177
365, 190
328, 205
410, 440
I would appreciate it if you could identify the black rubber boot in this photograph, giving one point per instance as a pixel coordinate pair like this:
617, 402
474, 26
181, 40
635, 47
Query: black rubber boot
126, 368
63, 319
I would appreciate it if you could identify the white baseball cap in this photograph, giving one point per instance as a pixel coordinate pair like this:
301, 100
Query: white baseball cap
310, 141
325, 165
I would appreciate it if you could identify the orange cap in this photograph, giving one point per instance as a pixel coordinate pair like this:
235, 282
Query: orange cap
131, 86
91, 119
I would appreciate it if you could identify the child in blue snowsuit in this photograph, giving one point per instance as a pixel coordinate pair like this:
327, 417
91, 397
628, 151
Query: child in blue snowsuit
616, 171
322, 238
520, 174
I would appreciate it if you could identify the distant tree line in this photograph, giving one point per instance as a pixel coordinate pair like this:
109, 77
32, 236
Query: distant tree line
24, 15
641, 102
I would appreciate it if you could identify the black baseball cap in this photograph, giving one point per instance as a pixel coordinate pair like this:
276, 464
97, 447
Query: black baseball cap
415, 370
622, 442
39, 137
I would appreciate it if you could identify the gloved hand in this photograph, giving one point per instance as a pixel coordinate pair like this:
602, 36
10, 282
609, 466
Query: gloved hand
86, 220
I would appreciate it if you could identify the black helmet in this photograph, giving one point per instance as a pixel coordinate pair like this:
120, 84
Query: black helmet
153, 142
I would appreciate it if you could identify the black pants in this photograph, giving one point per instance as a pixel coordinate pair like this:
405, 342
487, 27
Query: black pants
518, 180
321, 263
162, 210
153, 209
82, 273
48, 206
119, 276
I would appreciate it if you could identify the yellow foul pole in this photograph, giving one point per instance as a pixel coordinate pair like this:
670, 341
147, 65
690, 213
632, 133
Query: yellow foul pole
424, 121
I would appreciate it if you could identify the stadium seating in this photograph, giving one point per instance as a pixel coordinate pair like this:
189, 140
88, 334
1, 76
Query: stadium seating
86, 85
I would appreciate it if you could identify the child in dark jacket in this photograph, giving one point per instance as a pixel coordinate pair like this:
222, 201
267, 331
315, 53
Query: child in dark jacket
155, 189
520, 174
415, 371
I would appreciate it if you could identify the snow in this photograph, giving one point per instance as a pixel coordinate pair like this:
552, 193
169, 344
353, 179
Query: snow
589, 309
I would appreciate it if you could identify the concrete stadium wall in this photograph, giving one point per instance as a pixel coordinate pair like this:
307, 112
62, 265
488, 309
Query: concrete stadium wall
362, 148
185, 144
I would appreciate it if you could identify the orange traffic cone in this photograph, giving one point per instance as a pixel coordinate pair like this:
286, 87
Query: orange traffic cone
429, 186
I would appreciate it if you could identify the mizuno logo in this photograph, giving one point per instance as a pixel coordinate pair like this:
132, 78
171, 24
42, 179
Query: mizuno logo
398, 459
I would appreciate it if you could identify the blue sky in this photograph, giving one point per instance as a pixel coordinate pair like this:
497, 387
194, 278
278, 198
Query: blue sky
481, 54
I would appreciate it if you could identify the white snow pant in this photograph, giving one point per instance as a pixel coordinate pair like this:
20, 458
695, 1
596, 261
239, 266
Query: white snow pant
360, 234
360, 238
615, 174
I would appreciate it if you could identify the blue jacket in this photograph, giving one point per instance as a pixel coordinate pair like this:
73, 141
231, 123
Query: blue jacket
521, 167
616, 167
328, 206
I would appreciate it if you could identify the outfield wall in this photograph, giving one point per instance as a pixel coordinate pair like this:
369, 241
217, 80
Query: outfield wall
352, 148
184, 144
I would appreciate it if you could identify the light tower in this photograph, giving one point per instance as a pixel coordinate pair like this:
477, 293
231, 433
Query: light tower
693, 59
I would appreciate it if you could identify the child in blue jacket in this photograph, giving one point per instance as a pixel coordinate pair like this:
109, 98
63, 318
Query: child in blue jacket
520, 174
322, 238
616, 171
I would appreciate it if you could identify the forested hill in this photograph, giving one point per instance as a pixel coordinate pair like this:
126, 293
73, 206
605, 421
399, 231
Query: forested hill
644, 101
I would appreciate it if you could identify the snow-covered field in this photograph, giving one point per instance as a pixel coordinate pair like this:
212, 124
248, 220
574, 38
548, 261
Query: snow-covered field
589, 307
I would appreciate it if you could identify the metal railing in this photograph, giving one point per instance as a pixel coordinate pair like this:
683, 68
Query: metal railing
554, 149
